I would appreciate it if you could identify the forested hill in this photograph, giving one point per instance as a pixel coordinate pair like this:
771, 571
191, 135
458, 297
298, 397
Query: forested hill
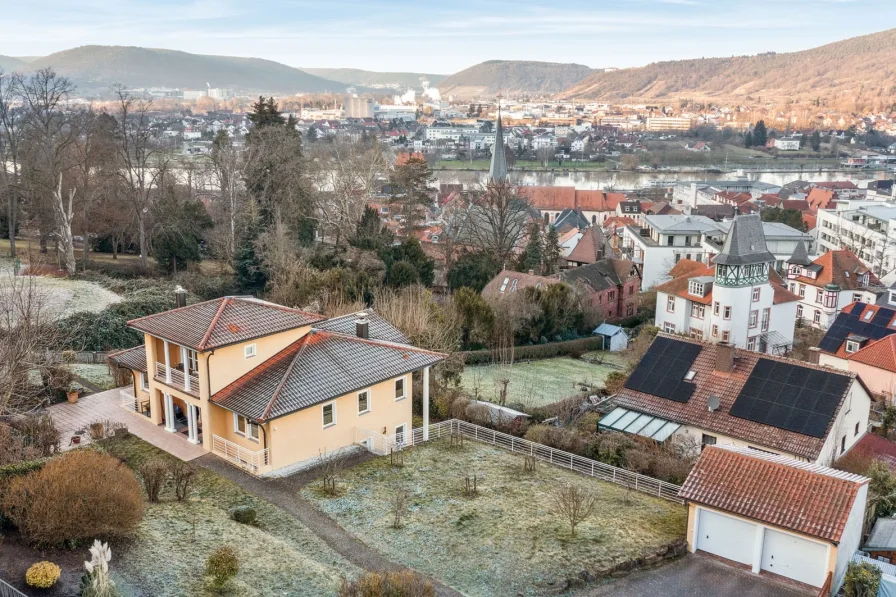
513, 77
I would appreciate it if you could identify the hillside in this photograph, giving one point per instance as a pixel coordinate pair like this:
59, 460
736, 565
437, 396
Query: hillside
95, 68
366, 78
8, 63
513, 76
862, 66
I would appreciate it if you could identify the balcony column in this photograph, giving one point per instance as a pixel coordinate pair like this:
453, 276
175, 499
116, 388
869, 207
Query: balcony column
425, 404
170, 424
167, 363
186, 364
193, 423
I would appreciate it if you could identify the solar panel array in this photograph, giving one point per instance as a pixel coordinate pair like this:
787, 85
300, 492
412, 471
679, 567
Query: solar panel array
790, 397
661, 372
851, 323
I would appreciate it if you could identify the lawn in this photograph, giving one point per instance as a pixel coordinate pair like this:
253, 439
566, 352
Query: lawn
541, 382
278, 555
97, 374
505, 541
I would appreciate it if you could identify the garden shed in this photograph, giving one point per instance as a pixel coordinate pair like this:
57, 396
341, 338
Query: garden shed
614, 336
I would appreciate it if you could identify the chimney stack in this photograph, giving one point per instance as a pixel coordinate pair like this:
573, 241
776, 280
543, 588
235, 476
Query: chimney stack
724, 357
180, 297
362, 326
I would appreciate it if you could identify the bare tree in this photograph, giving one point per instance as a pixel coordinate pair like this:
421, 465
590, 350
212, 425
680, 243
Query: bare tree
227, 167
28, 334
142, 161
496, 221
399, 506
10, 136
64, 213
331, 465
573, 503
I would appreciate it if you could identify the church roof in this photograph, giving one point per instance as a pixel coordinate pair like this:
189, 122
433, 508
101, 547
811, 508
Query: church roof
497, 171
745, 243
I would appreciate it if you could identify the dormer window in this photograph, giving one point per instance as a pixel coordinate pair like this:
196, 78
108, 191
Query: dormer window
893, 297
852, 346
696, 288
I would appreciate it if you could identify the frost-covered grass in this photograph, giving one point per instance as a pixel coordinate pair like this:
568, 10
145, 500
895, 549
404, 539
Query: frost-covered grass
96, 374
537, 383
505, 541
63, 296
278, 555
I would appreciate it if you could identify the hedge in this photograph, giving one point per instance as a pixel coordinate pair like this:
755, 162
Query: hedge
539, 351
22, 468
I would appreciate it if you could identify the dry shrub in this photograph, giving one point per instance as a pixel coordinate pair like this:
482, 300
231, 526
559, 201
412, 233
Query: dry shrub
857, 460
40, 433
78, 496
478, 414
458, 408
14, 448
389, 584
154, 473
183, 474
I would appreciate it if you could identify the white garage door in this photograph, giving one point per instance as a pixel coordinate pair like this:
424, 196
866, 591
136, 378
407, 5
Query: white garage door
725, 536
794, 557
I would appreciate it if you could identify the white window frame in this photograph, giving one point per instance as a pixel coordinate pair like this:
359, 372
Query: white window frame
756, 294
404, 389
816, 317
366, 410
715, 308
715, 331
250, 351
323, 414
802, 292
799, 311
698, 311
857, 297
236, 424
250, 430
726, 312
192, 361
852, 346
726, 335
819, 296
669, 327
404, 433
751, 343
754, 318
144, 381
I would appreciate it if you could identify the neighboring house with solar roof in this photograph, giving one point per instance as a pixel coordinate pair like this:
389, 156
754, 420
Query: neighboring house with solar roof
775, 516
269, 388
828, 284
708, 394
739, 298
862, 340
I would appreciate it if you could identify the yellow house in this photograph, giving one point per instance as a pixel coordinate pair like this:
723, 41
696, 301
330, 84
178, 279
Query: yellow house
268, 387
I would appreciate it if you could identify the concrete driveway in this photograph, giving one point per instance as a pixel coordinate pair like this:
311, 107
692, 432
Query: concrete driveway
696, 576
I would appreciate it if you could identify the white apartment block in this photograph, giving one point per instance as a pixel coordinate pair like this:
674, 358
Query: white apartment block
668, 123
867, 228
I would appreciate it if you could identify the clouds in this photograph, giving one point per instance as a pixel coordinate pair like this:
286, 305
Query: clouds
401, 35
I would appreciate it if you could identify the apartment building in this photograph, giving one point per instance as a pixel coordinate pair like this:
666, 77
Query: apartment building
867, 228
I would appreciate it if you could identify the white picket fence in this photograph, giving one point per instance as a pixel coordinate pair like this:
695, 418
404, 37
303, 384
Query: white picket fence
383, 444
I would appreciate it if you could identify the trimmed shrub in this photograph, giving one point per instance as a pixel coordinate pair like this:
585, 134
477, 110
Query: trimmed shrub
861, 580
42, 575
539, 351
221, 566
402, 583
154, 473
243, 514
77, 496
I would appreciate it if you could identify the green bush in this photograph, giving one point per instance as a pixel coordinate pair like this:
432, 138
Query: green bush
243, 514
221, 566
22, 468
539, 351
861, 580
206, 287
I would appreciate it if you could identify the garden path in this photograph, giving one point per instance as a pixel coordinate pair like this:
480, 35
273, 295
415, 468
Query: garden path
284, 495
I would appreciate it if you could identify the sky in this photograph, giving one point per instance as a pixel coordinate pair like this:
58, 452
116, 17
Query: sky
442, 37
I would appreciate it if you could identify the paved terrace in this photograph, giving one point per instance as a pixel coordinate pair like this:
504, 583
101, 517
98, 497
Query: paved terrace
103, 406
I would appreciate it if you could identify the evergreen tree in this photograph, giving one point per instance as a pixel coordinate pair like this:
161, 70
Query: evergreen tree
410, 253
265, 113
410, 185
247, 265
748, 139
472, 270
760, 134
815, 142
531, 257
370, 234
179, 228
551, 252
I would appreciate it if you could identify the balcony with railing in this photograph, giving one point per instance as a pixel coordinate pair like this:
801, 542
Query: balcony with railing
255, 462
177, 379
133, 403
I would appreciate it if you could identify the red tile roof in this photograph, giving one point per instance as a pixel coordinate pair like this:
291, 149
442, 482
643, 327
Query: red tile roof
841, 267
523, 280
560, 198
686, 269
820, 198
727, 386
876, 448
223, 321
880, 353
782, 492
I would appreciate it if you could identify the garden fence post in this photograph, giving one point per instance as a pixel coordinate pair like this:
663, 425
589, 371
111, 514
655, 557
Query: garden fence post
592, 469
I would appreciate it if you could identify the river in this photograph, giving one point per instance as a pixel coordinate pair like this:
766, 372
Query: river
601, 180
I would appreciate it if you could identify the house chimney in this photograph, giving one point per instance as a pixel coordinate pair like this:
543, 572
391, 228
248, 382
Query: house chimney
362, 326
724, 357
814, 354
180, 297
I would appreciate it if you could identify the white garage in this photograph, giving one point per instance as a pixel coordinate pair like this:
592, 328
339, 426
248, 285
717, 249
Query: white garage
797, 520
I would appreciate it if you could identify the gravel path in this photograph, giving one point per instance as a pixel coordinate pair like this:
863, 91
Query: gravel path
284, 494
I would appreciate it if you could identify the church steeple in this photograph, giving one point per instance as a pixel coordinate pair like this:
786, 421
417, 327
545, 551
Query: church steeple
497, 171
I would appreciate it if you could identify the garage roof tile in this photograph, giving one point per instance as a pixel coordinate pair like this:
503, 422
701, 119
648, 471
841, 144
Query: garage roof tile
779, 491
